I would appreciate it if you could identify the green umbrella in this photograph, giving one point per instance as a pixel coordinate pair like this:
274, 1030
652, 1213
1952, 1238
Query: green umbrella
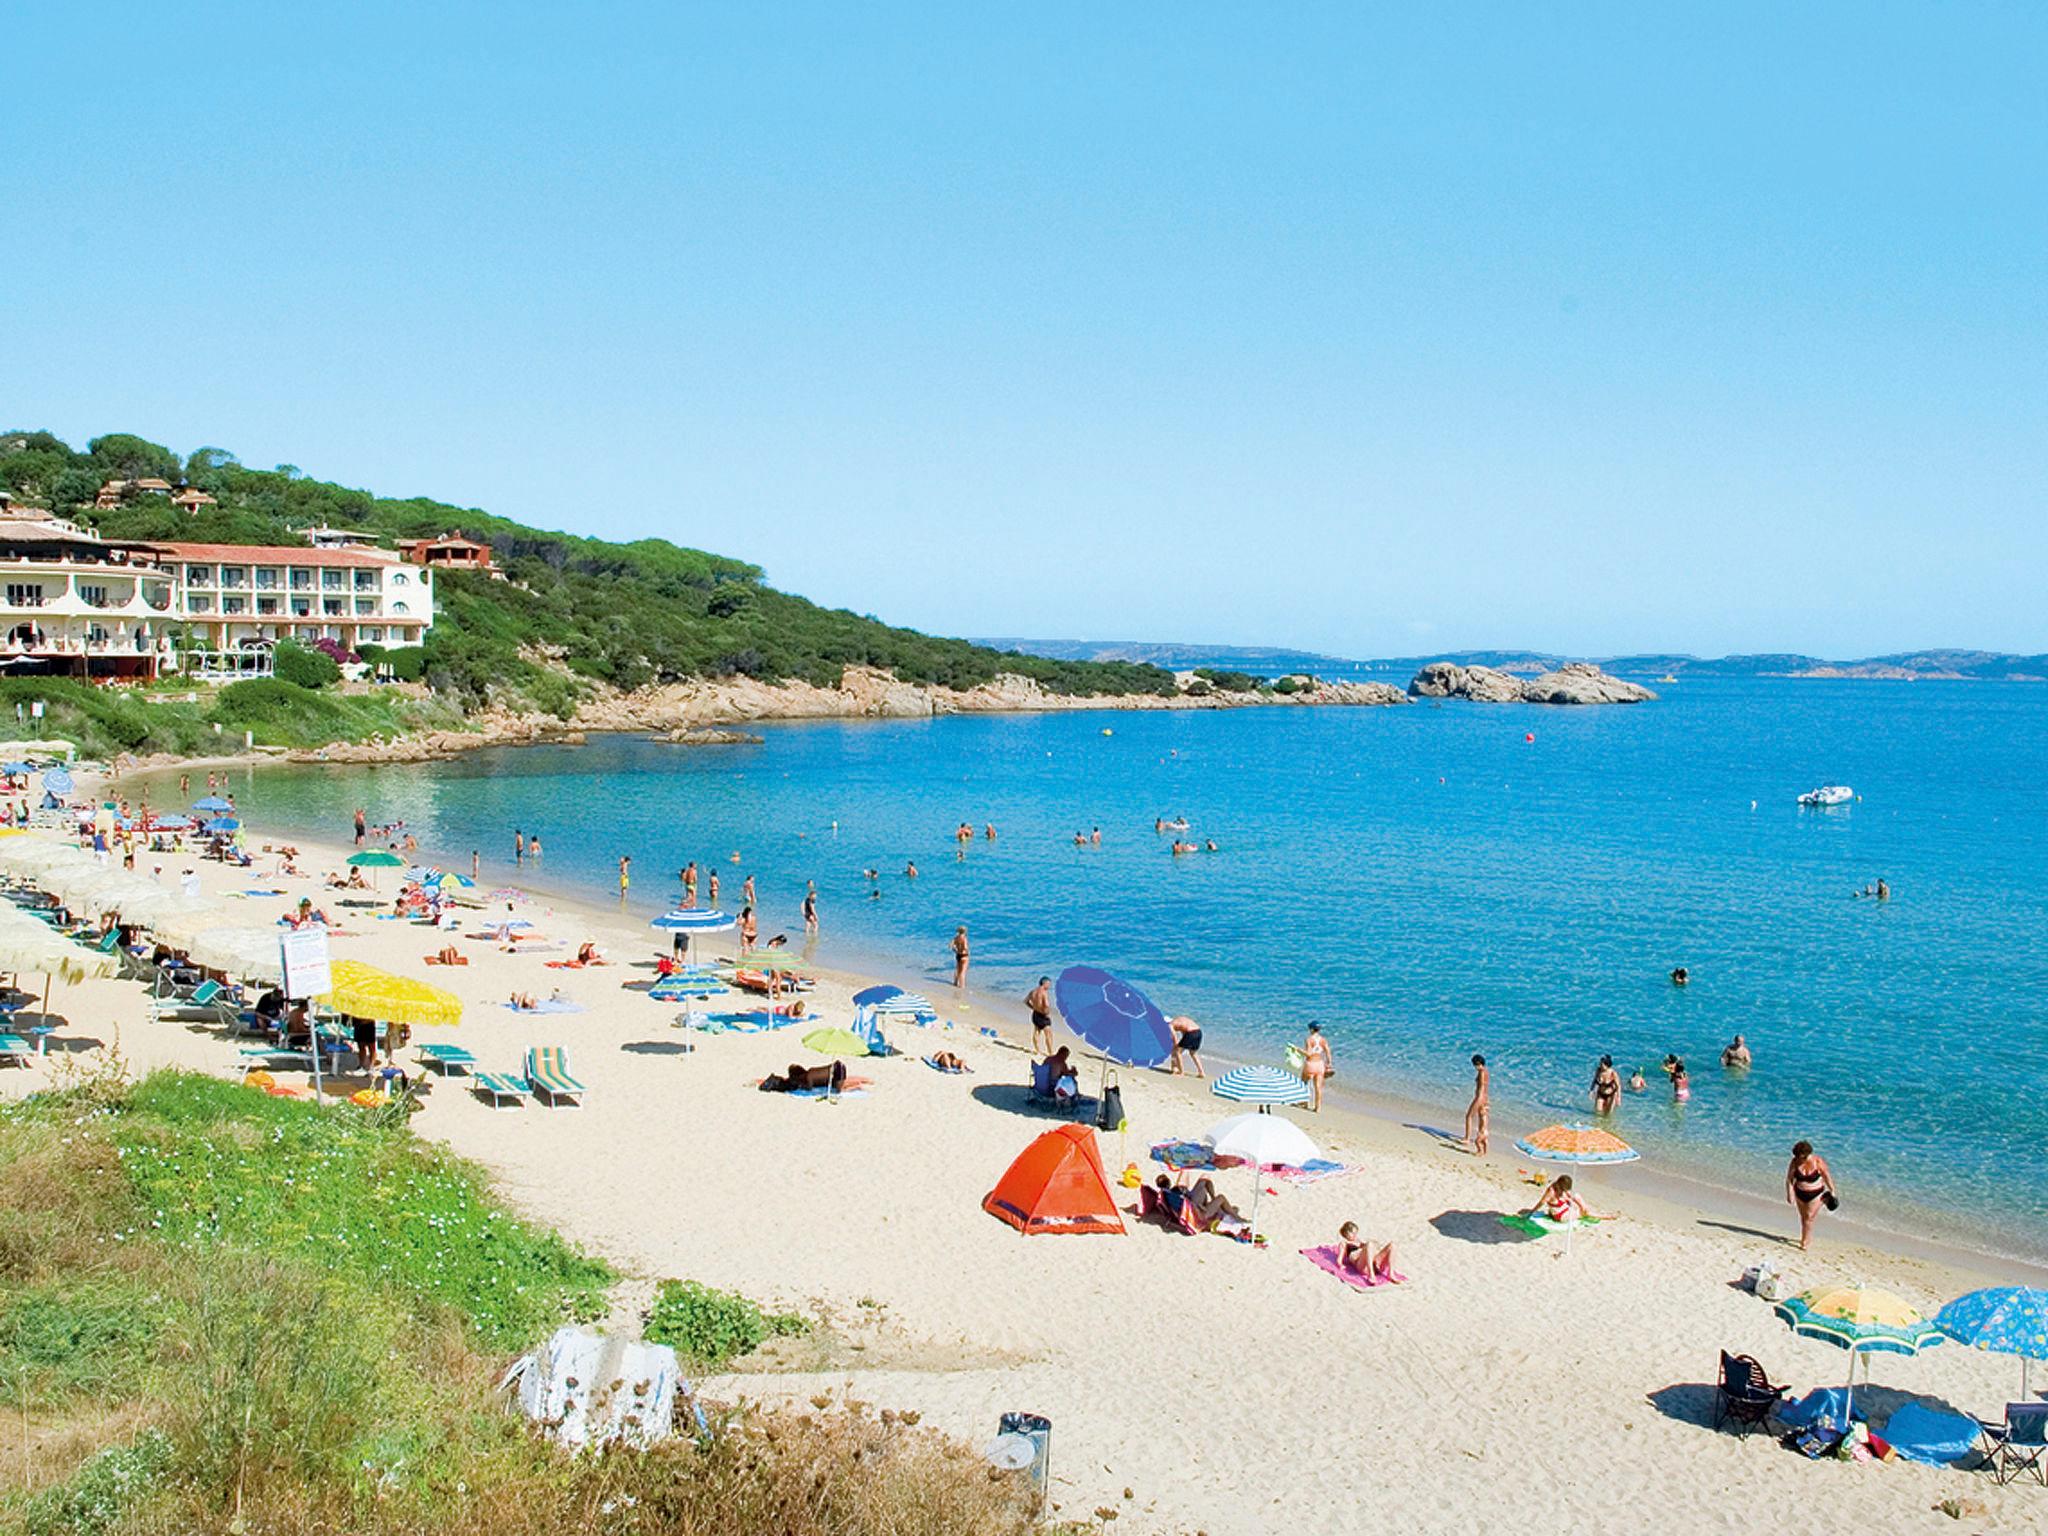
835, 1042
780, 960
376, 858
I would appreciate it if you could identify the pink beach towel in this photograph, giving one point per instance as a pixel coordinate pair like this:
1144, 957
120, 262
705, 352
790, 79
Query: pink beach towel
1325, 1259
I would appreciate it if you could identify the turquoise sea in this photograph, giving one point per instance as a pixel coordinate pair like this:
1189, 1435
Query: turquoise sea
1427, 883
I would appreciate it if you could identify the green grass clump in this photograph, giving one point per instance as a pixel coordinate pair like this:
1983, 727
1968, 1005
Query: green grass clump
214, 1166
708, 1327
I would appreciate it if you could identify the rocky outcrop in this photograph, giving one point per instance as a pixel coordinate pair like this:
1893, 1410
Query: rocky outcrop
691, 736
680, 710
1576, 682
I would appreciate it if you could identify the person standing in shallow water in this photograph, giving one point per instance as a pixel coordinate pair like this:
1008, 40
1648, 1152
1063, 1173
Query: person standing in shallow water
1606, 1087
960, 956
1480, 1112
1315, 1065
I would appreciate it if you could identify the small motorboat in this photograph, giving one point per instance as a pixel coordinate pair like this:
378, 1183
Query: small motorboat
1828, 794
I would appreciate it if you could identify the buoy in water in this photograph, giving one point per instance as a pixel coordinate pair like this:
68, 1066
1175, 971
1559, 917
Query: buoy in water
1529, 736
1107, 731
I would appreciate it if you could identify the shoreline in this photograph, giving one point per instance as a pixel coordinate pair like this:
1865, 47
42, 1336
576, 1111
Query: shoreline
676, 1166
1691, 1192
1395, 1119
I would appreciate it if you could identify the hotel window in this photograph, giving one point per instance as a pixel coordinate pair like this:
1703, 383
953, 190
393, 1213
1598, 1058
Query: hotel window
334, 608
199, 576
301, 578
234, 605
24, 594
266, 578
267, 605
366, 581
400, 608
92, 596
399, 578
233, 576
366, 605
302, 607
370, 634
199, 604
333, 581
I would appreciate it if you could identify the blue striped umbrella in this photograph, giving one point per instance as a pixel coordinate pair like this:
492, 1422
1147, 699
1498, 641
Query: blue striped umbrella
690, 921
210, 803
1260, 1085
2005, 1319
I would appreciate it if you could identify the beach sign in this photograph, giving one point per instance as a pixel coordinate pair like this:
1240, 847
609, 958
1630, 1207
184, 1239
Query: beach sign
307, 968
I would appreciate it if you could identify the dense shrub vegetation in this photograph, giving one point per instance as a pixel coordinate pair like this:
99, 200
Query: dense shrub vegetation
575, 608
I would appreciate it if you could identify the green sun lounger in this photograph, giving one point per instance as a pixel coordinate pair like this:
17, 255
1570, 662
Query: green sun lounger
498, 1086
446, 1059
15, 1049
547, 1069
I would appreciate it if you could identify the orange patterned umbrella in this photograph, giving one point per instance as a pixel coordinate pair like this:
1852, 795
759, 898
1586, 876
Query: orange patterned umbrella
1577, 1144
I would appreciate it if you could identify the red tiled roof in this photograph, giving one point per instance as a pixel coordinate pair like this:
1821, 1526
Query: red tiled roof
277, 554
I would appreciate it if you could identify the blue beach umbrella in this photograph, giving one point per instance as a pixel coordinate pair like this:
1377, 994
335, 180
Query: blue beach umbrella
211, 803
56, 782
867, 997
17, 767
223, 824
2005, 1320
174, 823
1260, 1085
1113, 1016
691, 921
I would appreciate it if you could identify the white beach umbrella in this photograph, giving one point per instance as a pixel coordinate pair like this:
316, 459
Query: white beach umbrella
179, 926
251, 954
1262, 1141
27, 857
162, 904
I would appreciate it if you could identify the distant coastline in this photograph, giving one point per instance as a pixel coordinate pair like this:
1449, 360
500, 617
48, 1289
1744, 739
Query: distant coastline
1948, 665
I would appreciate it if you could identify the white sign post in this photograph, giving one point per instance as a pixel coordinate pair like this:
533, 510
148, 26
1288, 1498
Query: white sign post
307, 975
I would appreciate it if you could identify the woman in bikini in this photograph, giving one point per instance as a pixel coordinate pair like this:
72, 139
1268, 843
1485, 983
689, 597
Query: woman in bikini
1606, 1087
1808, 1186
1355, 1254
1315, 1065
1560, 1203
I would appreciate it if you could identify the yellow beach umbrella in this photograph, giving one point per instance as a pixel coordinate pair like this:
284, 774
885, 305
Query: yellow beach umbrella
369, 993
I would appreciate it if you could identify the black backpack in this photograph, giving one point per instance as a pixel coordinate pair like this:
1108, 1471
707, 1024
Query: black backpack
1109, 1114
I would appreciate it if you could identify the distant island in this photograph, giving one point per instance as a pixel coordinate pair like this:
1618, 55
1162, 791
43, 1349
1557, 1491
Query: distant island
1989, 666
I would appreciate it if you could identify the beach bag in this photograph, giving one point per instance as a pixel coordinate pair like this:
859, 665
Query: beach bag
1758, 1275
1109, 1115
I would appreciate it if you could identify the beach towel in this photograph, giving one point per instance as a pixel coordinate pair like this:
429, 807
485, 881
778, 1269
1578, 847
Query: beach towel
1326, 1259
1196, 1154
1824, 1409
1543, 1226
950, 1071
845, 1092
1920, 1433
547, 1005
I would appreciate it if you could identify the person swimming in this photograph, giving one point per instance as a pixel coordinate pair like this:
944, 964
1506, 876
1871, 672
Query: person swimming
1679, 977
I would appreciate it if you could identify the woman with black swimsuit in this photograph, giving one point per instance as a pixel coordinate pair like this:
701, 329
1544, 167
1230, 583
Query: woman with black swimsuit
1808, 1186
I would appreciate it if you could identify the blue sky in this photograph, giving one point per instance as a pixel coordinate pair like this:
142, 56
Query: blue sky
1595, 328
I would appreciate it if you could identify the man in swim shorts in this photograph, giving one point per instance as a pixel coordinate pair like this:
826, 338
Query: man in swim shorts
1039, 1001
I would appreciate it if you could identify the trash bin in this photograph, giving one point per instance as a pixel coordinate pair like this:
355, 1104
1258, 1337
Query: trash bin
1037, 1429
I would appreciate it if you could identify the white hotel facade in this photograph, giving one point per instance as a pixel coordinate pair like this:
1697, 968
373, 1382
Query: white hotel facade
72, 604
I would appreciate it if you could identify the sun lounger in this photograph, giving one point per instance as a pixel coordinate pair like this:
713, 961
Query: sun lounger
446, 1059
498, 1086
15, 1049
547, 1069
1745, 1395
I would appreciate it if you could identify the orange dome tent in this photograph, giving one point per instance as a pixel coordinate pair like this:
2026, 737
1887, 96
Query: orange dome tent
1057, 1185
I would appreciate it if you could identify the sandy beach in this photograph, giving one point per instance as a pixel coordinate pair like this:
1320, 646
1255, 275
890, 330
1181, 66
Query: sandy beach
1193, 1383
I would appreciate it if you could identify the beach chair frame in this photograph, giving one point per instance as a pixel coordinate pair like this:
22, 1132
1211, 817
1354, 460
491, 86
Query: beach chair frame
497, 1086
548, 1076
2017, 1444
1745, 1395
16, 1050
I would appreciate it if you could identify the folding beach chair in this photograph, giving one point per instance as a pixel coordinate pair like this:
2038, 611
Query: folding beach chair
1152, 1206
1041, 1091
2017, 1446
547, 1069
16, 1050
498, 1086
1744, 1396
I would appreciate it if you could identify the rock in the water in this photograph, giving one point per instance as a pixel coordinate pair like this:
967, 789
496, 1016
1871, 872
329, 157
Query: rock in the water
1576, 682
689, 736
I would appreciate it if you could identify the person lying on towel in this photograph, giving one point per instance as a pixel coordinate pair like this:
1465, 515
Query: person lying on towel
800, 1078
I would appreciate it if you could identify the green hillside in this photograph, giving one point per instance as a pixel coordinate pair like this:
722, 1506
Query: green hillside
625, 614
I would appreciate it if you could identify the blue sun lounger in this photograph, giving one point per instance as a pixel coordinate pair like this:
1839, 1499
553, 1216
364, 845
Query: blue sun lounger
446, 1059
498, 1086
